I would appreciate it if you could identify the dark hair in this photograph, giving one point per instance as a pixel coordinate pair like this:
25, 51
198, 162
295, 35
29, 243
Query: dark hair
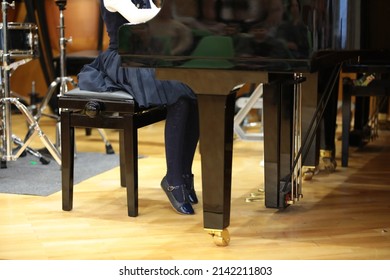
140, 4
289, 3
238, 4
287, 12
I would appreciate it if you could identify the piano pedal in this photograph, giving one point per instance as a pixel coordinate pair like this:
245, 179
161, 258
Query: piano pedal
285, 195
256, 196
290, 193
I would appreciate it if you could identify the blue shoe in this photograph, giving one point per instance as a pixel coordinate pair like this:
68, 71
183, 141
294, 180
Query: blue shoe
189, 179
177, 195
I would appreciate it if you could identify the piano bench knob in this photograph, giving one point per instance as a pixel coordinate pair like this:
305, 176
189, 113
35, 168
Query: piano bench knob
93, 109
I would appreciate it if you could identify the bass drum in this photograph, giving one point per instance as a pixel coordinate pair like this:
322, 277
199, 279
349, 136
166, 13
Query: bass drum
22, 40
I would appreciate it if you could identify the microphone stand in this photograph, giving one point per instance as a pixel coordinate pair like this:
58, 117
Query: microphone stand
62, 82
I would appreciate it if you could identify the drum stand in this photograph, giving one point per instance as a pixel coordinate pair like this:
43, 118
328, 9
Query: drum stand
7, 138
63, 81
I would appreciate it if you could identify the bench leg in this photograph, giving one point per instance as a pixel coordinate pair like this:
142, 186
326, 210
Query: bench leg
129, 165
67, 158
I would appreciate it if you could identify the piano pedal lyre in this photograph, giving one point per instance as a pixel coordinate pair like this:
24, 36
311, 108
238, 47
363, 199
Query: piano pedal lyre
296, 176
296, 194
290, 192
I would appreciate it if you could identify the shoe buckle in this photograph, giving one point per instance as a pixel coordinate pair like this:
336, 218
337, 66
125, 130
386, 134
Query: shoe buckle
171, 188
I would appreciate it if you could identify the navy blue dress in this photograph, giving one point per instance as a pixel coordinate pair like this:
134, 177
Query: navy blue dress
105, 73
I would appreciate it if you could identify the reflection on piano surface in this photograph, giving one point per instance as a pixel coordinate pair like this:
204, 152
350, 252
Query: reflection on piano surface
283, 35
215, 45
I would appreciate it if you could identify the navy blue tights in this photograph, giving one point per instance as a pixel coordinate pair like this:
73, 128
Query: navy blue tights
181, 138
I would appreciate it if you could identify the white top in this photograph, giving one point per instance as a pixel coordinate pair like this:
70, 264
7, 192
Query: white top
130, 12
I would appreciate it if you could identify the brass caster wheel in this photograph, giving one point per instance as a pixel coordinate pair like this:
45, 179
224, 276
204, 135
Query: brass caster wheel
327, 161
220, 237
329, 164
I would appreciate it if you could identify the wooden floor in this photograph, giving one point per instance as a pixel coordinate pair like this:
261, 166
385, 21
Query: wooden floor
343, 215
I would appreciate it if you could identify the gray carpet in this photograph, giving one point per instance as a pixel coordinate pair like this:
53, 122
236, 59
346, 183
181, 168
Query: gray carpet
28, 176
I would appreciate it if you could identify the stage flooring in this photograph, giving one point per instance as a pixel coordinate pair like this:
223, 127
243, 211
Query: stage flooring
342, 215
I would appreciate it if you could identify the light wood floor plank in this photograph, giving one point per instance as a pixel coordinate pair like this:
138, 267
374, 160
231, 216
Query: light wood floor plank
343, 215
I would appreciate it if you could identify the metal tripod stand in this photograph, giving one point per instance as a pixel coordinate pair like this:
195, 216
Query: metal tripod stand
63, 81
7, 138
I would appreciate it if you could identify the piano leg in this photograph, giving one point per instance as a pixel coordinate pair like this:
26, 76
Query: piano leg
216, 102
216, 113
327, 147
309, 106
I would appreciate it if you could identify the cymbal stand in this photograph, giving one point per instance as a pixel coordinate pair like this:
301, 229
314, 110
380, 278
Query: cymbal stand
63, 81
5, 108
42, 158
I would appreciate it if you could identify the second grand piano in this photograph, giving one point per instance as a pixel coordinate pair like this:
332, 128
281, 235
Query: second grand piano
215, 45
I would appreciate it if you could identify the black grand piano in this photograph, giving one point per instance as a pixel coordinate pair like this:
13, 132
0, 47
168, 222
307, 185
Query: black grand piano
294, 49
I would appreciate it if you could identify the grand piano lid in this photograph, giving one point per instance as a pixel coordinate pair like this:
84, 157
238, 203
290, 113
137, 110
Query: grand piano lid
269, 35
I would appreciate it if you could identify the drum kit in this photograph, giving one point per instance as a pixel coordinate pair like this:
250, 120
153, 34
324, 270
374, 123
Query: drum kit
19, 44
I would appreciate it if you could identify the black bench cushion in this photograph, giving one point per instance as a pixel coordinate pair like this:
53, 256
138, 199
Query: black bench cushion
109, 96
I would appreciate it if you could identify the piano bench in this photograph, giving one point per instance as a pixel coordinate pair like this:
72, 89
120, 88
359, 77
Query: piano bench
106, 110
377, 88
